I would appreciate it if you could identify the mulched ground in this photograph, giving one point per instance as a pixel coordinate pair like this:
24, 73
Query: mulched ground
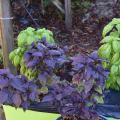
83, 36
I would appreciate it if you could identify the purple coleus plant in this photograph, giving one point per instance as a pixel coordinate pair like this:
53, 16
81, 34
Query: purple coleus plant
89, 76
16, 90
73, 95
45, 60
76, 97
69, 101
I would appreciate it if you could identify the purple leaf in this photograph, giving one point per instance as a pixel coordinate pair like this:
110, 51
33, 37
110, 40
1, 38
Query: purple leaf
10, 76
88, 72
31, 64
59, 97
4, 71
48, 98
25, 104
3, 97
18, 85
37, 54
88, 84
52, 46
94, 55
32, 86
27, 57
42, 77
3, 83
79, 59
50, 63
68, 90
54, 52
24, 97
17, 99
32, 96
41, 47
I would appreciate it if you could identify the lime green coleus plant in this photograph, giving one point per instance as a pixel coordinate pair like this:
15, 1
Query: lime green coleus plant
24, 39
110, 51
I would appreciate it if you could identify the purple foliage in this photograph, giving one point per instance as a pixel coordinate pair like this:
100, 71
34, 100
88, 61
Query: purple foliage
16, 90
69, 101
45, 59
89, 75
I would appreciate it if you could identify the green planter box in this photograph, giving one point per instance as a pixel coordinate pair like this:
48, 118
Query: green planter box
12, 113
18, 114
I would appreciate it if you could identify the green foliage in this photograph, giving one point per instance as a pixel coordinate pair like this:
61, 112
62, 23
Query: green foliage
110, 51
24, 40
26, 37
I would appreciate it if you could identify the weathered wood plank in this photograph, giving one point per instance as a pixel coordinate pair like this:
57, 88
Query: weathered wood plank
65, 9
42, 7
6, 33
68, 14
59, 5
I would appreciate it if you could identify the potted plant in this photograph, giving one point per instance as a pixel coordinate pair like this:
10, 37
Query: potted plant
73, 97
17, 91
72, 86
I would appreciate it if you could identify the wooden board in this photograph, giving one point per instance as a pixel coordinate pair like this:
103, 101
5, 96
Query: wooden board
66, 10
6, 33
68, 14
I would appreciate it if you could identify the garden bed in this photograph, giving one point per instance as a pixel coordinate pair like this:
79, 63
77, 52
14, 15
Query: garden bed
47, 67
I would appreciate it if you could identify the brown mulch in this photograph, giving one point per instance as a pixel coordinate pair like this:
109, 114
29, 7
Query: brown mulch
83, 35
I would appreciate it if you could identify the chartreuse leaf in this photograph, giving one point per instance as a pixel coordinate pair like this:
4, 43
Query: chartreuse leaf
114, 69
30, 39
12, 55
119, 68
99, 99
117, 63
118, 80
105, 64
107, 29
98, 89
30, 31
17, 60
89, 104
114, 34
118, 28
45, 33
115, 58
105, 51
115, 21
116, 45
22, 39
108, 83
44, 90
107, 39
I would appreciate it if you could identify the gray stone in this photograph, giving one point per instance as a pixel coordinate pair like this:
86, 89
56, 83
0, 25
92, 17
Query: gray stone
104, 8
101, 8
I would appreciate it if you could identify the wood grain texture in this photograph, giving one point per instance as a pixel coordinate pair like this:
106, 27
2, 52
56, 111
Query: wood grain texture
68, 14
59, 5
6, 33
